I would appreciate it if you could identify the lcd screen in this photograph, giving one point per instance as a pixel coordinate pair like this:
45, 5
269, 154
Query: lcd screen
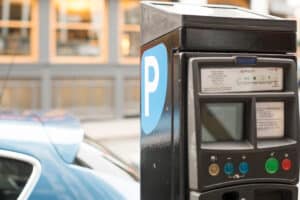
222, 122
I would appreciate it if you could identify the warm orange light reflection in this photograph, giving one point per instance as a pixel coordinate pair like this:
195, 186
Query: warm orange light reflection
75, 5
125, 44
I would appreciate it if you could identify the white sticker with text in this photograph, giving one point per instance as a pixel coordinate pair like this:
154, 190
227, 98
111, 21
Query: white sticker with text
246, 79
270, 119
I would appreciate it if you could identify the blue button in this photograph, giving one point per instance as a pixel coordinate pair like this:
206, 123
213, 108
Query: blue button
229, 169
244, 167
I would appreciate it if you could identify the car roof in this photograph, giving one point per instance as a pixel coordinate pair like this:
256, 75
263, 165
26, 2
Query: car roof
49, 130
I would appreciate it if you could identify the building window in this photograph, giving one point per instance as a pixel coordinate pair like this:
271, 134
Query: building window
21, 95
132, 97
87, 98
78, 30
18, 30
129, 31
241, 3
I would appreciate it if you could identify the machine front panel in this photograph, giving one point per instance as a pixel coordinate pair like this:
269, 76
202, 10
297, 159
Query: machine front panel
246, 121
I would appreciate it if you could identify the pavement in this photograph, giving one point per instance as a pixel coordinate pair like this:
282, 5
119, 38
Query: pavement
121, 137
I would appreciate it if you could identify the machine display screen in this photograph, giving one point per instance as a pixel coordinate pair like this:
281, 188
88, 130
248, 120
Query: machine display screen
222, 122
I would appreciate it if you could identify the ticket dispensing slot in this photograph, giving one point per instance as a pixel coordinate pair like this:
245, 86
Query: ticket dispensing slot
250, 192
245, 122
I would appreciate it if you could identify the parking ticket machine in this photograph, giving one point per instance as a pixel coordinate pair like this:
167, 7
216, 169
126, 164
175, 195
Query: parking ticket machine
219, 104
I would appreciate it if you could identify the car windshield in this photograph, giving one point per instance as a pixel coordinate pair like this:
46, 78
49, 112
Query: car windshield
97, 158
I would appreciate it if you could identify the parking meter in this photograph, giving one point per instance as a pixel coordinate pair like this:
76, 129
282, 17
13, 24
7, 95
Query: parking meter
219, 104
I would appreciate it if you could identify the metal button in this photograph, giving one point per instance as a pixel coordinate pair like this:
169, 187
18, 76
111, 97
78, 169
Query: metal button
213, 169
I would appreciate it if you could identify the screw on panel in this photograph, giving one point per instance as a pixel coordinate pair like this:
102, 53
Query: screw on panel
213, 158
286, 155
272, 154
154, 165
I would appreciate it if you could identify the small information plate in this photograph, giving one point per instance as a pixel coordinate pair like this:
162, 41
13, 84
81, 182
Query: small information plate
270, 119
247, 79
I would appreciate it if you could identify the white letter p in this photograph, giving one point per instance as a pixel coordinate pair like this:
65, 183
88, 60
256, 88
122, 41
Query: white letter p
150, 86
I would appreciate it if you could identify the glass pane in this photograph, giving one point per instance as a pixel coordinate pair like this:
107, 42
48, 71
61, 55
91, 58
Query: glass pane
24, 94
101, 96
76, 11
132, 96
21, 95
66, 94
132, 14
15, 10
14, 41
222, 122
13, 177
80, 26
78, 43
84, 97
242, 3
7, 98
130, 44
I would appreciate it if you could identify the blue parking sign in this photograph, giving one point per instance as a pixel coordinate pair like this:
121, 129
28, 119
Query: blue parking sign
154, 80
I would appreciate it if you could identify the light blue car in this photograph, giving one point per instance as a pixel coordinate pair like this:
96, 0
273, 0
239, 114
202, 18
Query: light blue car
47, 158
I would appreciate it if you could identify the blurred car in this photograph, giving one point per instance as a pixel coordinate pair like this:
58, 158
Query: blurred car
47, 157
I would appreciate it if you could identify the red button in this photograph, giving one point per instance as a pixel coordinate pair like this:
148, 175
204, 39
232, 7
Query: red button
286, 164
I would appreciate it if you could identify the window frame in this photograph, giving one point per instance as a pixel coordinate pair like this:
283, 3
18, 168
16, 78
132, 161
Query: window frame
32, 25
34, 176
103, 41
124, 28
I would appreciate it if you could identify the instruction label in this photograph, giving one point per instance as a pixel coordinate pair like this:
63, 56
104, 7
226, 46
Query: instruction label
270, 119
246, 79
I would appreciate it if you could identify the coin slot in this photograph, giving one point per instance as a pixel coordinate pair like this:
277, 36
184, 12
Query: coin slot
272, 194
231, 196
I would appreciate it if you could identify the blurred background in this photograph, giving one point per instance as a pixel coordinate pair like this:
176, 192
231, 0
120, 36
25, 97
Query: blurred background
82, 56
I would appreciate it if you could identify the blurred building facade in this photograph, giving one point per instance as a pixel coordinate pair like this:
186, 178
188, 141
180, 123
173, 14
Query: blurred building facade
77, 55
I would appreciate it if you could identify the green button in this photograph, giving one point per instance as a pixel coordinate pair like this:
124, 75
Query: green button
272, 165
